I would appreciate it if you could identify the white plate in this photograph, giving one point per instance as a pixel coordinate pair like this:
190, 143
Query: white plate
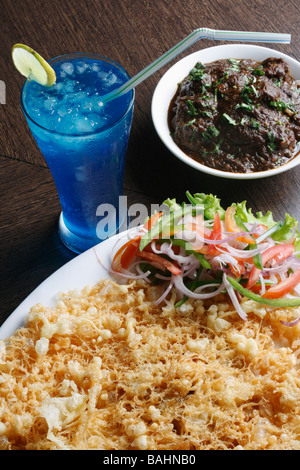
81, 271
167, 86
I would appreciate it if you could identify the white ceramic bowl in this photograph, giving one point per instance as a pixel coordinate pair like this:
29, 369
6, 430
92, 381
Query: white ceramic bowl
167, 86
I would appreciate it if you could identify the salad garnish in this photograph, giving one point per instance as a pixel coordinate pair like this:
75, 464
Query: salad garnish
201, 249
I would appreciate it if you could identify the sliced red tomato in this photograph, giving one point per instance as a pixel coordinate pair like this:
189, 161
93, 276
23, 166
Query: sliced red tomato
234, 228
216, 234
125, 255
152, 221
277, 252
160, 261
284, 287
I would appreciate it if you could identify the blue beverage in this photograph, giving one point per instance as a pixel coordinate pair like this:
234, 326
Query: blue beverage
84, 143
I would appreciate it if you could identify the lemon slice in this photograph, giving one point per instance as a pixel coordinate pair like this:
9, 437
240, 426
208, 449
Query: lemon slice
30, 64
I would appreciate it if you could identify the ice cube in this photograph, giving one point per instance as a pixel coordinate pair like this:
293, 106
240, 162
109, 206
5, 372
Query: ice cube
97, 103
83, 125
111, 79
64, 110
67, 67
79, 96
95, 67
69, 86
87, 105
50, 103
81, 67
58, 86
102, 75
95, 120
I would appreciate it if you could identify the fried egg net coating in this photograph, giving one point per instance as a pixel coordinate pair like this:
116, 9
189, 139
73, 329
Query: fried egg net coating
108, 369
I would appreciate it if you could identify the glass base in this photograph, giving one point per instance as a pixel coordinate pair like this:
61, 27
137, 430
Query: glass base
72, 241
79, 244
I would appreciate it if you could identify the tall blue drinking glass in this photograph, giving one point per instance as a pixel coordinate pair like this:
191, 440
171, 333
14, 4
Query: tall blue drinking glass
83, 142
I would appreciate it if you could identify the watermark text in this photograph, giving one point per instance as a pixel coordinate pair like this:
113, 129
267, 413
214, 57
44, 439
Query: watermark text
123, 218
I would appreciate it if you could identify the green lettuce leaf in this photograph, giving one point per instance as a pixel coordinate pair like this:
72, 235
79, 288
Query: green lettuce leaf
210, 203
287, 230
246, 215
284, 233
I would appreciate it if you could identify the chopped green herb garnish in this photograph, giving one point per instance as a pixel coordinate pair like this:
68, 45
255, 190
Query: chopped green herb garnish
254, 90
235, 65
258, 70
190, 123
277, 81
234, 68
217, 147
279, 105
246, 106
229, 119
211, 133
247, 90
203, 89
216, 94
192, 111
255, 124
219, 81
194, 133
271, 144
198, 72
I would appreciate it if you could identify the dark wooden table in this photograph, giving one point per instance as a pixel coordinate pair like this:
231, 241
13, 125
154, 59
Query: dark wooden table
133, 33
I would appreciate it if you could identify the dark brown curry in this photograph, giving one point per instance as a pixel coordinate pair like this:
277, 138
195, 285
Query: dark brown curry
237, 115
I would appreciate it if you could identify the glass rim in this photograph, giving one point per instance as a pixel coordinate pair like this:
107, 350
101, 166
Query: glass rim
83, 134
